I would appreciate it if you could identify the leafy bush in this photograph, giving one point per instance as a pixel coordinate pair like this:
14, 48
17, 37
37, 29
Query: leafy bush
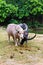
13, 21
29, 23
27, 7
34, 24
21, 9
6, 9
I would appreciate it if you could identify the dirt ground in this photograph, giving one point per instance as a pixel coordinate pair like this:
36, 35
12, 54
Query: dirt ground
31, 53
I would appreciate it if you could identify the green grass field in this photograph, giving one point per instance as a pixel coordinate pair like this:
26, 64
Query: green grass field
29, 54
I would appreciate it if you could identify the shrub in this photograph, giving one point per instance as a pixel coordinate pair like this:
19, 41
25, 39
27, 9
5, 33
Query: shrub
13, 21
6, 9
34, 24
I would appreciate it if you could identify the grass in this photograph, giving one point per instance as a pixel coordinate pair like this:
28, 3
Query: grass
28, 54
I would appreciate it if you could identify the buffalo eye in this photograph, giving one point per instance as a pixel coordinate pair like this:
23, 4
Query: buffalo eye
18, 31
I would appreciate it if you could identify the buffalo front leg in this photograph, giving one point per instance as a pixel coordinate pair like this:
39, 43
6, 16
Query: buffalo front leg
15, 41
18, 42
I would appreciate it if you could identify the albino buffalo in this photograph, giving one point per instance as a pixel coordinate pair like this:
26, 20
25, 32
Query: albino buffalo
16, 32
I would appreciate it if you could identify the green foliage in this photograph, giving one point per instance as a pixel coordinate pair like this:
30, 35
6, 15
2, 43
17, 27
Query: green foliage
34, 24
21, 9
13, 21
29, 23
27, 7
6, 9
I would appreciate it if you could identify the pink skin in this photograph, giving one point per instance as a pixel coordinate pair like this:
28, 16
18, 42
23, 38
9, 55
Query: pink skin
12, 31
